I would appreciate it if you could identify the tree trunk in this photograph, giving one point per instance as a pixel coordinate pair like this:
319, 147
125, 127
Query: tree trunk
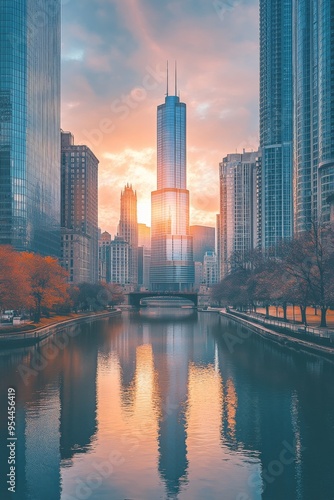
303, 314
315, 310
323, 322
267, 311
37, 315
285, 308
254, 305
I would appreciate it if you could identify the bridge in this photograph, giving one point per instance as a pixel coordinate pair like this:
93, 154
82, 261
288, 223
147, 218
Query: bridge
134, 298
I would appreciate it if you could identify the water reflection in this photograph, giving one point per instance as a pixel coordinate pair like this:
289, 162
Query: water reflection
78, 396
167, 314
56, 411
146, 408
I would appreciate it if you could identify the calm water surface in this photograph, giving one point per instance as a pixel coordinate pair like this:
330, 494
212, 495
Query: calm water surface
165, 404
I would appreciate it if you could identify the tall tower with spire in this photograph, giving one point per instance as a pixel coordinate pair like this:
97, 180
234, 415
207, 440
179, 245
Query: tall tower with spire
172, 266
128, 229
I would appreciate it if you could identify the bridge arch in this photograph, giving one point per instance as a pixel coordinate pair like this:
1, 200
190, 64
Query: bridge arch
136, 297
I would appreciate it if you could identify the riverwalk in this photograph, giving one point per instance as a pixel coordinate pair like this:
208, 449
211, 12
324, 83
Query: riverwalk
296, 338
31, 337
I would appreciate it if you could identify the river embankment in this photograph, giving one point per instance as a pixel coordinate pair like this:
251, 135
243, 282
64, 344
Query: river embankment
32, 337
291, 339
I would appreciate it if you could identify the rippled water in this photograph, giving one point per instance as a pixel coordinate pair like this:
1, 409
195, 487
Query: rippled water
169, 404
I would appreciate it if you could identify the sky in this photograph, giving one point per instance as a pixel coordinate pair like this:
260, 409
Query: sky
114, 55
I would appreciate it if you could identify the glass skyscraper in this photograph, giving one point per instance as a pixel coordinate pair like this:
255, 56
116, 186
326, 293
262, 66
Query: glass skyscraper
296, 115
172, 266
29, 125
326, 105
276, 120
314, 110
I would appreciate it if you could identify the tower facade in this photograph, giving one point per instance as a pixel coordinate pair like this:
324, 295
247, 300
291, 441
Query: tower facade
296, 108
120, 261
172, 266
238, 208
29, 125
79, 211
276, 120
128, 229
105, 257
313, 23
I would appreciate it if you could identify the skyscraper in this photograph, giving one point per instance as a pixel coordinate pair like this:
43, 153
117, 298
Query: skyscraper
79, 211
324, 33
276, 120
238, 207
210, 269
172, 266
105, 257
313, 28
128, 229
120, 261
144, 255
29, 125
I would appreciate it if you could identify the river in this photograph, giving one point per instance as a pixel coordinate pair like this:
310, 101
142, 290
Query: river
167, 404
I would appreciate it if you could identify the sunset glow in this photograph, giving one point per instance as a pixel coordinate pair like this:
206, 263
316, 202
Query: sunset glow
114, 77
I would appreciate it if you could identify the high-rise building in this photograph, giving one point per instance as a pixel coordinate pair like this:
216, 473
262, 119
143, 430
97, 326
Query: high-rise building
79, 211
296, 107
144, 263
144, 255
198, 275
210, 269
218, 245
276, 120
29, 125
128, 229
105, 257
120, 260
203, 241
313, 37
238, 208
172, 266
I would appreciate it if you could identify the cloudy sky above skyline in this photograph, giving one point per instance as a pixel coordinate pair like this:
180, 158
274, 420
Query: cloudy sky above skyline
114, 56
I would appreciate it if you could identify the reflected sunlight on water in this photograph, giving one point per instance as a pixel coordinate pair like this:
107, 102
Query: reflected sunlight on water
154, 405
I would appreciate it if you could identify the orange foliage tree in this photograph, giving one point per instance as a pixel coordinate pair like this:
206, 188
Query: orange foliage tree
14, 286
47, 282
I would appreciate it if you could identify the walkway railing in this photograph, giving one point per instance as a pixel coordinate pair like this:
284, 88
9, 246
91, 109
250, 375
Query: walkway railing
297, 330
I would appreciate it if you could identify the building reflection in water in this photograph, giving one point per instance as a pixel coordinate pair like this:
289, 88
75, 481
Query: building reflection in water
78, 395
56, 412
154, 402
190, 417
177, 383
172, 354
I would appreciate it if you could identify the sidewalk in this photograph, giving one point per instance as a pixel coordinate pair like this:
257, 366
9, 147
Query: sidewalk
295, 341
312, 319
313, 333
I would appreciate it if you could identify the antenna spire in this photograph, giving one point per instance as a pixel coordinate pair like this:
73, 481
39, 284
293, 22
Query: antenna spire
175, 78
167, 78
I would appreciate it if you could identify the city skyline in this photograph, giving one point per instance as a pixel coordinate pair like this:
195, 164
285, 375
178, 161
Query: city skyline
109, 57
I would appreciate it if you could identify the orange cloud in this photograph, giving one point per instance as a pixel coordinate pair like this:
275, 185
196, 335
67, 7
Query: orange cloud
114, 78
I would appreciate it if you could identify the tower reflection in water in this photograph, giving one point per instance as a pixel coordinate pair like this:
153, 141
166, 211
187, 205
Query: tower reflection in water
189, 416
177, 392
